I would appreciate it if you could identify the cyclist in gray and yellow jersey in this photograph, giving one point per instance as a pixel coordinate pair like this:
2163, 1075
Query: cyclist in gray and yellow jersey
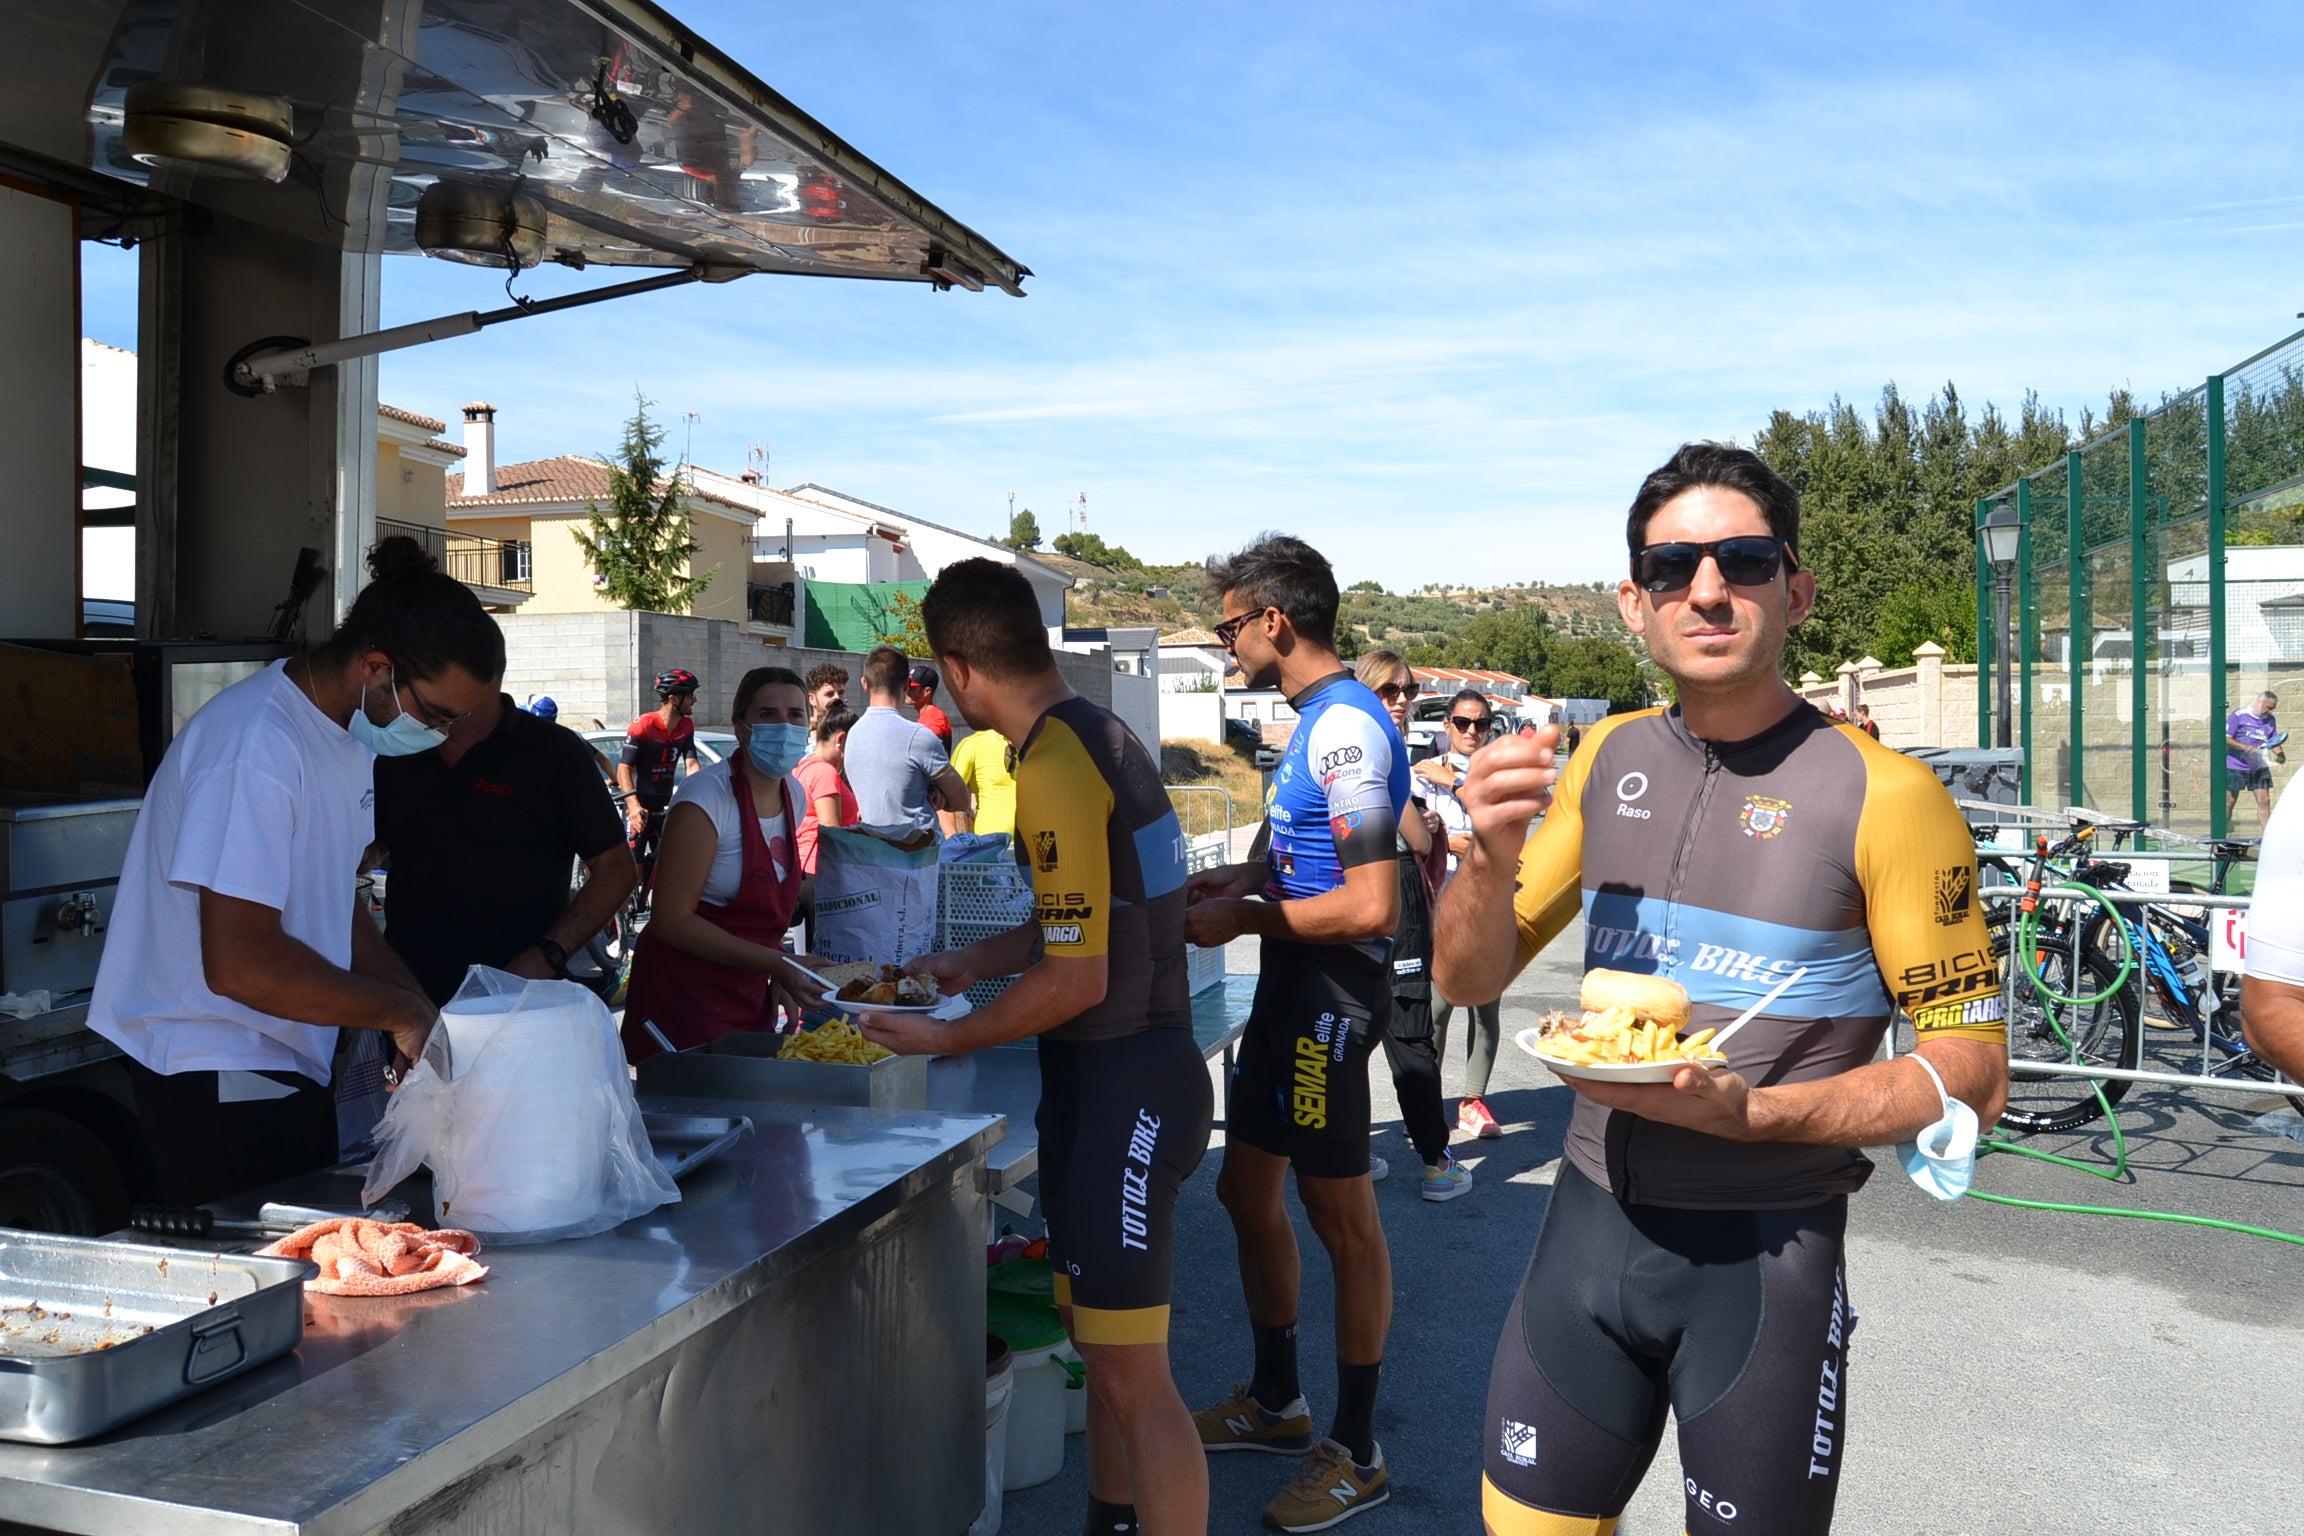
1690, 1257
1125, 1101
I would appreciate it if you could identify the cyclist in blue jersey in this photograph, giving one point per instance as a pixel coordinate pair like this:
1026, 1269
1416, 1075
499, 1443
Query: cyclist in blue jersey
1325, 904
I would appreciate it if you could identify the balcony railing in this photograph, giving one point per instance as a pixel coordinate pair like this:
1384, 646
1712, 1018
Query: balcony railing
501, 564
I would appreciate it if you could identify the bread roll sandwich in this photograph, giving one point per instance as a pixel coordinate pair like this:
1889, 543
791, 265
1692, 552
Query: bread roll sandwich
1627, 1020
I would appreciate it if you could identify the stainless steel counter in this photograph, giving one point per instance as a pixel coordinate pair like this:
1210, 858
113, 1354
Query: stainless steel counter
801, 1334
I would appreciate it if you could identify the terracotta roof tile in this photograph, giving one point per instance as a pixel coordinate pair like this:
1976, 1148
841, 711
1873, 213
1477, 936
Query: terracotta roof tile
567, 477
411, 418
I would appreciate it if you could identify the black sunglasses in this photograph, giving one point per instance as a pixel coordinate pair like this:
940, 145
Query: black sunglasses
1749, 560
1229, 630
1390, 691
1468, 724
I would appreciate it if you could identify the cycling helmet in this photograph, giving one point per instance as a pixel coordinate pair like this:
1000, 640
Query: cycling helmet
544, 708
678, 680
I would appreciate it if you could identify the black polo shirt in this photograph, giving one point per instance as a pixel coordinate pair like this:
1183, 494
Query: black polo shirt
483, 853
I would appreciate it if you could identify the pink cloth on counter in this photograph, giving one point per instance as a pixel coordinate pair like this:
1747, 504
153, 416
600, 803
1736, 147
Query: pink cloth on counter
358, 1257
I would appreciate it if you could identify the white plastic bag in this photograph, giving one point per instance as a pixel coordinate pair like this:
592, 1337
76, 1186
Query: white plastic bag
523, 1109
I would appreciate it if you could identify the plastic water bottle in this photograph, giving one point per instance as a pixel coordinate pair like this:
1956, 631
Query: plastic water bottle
2282, 1122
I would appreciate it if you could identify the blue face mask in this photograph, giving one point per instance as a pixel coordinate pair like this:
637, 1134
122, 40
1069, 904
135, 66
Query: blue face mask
1942, 1158
1459, 761
776, 749
404, 737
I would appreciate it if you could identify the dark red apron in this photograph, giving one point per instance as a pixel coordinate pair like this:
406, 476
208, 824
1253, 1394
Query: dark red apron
693, 1000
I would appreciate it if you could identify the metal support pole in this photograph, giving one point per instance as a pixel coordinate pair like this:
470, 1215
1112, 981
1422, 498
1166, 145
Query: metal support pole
2079, 630
2139, 623
1990, 645
2003, 680
2026, 627
2219, 819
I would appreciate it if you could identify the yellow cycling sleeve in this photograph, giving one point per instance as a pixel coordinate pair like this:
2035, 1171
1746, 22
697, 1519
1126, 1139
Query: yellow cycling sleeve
1550, 891
1063, 823
1916, 861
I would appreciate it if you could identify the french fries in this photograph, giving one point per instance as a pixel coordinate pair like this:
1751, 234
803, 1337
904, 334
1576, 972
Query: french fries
838, 1041
1616, 1037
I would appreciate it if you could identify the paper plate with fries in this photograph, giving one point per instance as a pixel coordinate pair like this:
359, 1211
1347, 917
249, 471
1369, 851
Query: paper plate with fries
1630, 1030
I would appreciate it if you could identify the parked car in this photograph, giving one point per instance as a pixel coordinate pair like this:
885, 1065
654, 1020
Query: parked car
1242, 735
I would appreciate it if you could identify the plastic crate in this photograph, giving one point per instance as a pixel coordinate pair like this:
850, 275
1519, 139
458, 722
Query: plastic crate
1203, 968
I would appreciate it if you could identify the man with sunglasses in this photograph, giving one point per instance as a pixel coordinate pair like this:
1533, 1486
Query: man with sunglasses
1690, 1254
1330, 903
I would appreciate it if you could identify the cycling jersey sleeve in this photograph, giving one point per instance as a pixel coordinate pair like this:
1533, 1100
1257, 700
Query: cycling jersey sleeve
1550, 891
1916, 862
1351, 756
2276, 918
630, 756
1063, 817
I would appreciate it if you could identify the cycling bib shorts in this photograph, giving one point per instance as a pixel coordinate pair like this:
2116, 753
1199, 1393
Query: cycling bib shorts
1122, 1122
1300, 1082
1737, 1321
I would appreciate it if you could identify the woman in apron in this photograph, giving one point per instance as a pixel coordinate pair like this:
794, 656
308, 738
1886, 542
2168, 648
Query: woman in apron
727, 885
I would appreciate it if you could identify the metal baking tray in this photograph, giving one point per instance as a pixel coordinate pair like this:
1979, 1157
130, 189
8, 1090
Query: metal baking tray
96, 1332
685, 1143
743, 1065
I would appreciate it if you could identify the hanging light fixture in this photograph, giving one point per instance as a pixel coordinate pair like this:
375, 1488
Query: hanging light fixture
457, 221
236, 135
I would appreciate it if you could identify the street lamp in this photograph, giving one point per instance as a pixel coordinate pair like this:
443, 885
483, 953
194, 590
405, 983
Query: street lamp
2002, 531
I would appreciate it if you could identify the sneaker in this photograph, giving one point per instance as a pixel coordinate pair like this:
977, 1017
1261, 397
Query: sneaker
1240, 1423
1329, 1491
1378, 1169
1473, 1119
1446, 1181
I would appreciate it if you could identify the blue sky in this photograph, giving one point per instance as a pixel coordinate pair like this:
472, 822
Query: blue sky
1434, 285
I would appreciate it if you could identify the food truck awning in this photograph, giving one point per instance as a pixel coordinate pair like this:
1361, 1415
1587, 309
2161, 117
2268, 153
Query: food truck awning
633, 140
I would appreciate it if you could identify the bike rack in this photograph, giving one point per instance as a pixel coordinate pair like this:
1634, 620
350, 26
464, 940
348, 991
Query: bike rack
2279, 1084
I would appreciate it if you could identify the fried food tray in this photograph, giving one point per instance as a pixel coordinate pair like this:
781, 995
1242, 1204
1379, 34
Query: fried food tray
95, 1332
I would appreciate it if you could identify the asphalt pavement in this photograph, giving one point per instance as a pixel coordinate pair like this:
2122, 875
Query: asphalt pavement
2014, 1370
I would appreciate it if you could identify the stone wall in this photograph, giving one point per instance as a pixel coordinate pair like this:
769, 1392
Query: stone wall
1931, 704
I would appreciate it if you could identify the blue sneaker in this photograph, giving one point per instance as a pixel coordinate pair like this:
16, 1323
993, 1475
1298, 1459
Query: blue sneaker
1447, 1180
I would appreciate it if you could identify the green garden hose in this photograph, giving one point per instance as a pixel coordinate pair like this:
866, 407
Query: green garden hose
2027, 928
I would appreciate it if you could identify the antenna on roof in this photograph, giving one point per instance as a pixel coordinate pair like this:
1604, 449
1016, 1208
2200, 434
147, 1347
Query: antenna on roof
756, 455
688, 453
1080, 512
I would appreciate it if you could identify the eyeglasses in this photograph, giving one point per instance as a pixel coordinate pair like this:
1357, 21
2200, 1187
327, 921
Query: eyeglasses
1229, 630
1390, 691
1749, 560
1470, 726
432, 714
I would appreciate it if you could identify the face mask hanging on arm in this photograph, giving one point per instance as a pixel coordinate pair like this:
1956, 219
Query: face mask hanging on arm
1942, 1158
777, 749
404, 737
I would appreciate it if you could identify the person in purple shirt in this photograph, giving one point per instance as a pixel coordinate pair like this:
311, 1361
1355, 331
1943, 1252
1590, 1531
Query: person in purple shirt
2252, 739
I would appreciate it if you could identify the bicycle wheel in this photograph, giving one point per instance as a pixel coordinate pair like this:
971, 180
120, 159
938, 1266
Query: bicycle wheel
2100, 1034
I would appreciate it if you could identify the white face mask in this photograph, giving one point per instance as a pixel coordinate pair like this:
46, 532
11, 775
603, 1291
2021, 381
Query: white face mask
1942, 1158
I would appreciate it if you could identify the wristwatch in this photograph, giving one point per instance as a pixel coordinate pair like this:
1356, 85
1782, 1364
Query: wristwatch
554, 956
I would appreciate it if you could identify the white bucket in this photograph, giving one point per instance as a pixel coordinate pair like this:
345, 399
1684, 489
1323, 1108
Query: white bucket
1075, 1393
1035, 1420
530, 1146
999, 1387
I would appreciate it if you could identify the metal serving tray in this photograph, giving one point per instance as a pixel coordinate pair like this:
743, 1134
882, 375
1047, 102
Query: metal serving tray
743, 1065
95, 1332
685, 1143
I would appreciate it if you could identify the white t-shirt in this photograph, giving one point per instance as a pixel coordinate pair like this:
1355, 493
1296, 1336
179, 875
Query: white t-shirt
712, 792
1454, 821
2276, 916
263, 798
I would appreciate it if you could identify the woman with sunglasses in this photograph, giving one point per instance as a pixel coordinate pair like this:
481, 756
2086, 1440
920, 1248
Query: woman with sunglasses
1408, 1044
1469, 723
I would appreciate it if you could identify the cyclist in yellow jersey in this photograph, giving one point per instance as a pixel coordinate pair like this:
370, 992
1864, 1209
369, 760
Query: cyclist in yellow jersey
1690, 1254
982, 761
1125, 1099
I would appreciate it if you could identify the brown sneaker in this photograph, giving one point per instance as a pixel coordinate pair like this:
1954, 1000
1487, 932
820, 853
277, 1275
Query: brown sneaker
1329, 1491
1240, 1423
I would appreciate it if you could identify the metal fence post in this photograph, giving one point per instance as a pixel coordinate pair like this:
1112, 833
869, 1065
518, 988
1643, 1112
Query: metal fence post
1987, 633
2219, 820
2139, 625
2026, 626
2079, 628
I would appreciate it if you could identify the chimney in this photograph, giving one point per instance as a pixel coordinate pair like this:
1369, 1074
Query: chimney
750, 477
479, 449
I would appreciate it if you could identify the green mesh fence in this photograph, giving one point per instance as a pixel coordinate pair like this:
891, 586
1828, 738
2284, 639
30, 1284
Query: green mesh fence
2161, 588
